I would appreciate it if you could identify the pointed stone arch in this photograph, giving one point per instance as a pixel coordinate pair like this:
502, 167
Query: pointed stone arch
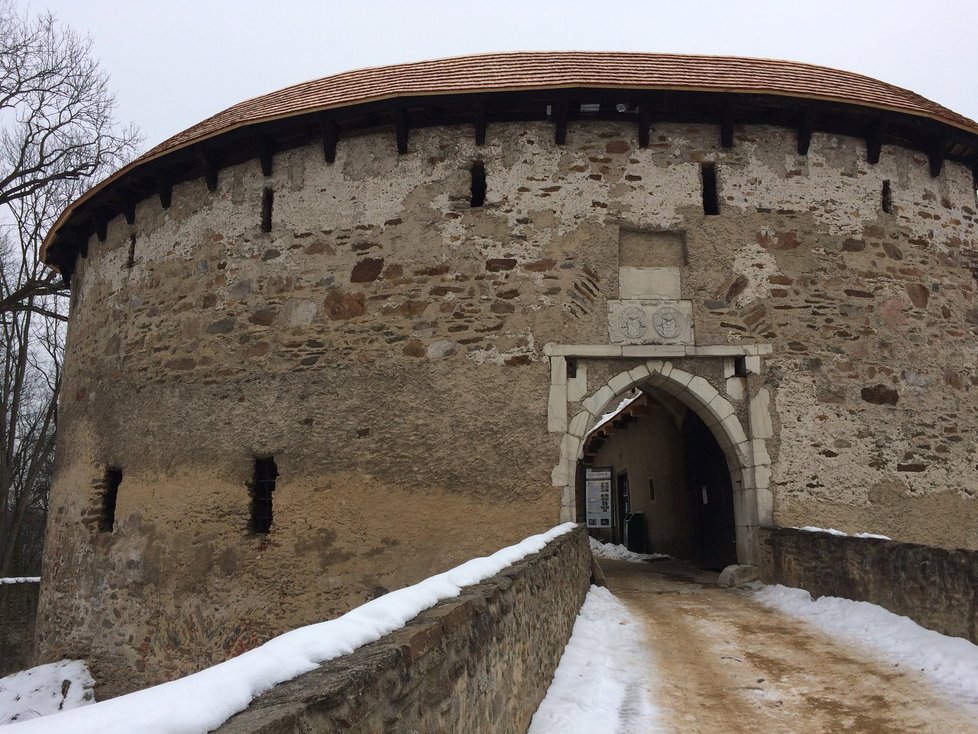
747, 457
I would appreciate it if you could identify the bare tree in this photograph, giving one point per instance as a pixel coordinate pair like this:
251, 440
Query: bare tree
57, 137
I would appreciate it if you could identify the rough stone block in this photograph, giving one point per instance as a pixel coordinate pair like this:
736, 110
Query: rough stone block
760, 415
649, 283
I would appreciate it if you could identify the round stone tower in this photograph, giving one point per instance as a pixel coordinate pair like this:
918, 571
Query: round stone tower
346, 335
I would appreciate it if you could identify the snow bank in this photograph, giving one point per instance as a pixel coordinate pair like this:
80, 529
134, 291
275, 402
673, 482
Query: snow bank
21, 580
601, 683
202, 701
619, 552
833, 531
45, 690
950, 662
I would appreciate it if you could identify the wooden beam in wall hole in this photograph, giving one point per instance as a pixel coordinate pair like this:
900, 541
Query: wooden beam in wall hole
209, 164
874, 143
644, 123
806, 127
266, 154
558, 110
935, 155
101, 225
401, 128
330, 132
727, 125
480, 123
164, 187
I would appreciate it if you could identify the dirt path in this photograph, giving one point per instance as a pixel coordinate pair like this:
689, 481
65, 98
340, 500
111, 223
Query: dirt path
723, 663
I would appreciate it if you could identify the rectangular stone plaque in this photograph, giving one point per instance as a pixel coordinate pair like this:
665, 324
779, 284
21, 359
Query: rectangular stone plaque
650, 322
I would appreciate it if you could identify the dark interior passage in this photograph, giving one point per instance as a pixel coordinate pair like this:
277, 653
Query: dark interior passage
667, 484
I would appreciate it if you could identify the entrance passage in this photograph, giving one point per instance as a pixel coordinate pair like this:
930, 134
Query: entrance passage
668, 481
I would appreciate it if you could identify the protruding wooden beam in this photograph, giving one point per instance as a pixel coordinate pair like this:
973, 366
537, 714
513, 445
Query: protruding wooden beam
874, 142
209, 164
164, 187
935, 155
101, 221
974, 175
330, 132
806, 127
266, 154
480, 123
129, 211
727, 125
401, 129
644, 122
558, 110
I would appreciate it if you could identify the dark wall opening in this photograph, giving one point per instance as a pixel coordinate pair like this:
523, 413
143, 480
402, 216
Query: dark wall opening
665, 464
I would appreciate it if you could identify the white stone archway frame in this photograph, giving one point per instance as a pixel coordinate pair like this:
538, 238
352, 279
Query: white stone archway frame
747, 456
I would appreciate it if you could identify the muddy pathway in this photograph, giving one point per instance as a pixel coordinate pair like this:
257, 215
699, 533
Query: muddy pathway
723, 663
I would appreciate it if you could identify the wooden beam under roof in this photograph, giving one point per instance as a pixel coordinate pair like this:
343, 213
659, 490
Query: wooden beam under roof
266, 154
644, 122
402, 127
480, 122
806, 126
727, 125
330, 133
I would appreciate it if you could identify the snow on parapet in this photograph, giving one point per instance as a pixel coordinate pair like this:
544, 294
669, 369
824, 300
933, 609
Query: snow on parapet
207, 699
21, 580
833, 531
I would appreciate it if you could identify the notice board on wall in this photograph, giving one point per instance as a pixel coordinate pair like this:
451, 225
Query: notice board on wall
597, 483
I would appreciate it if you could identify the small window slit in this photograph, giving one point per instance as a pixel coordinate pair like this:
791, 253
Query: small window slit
711, 195
267, 199
478, 184
262, 486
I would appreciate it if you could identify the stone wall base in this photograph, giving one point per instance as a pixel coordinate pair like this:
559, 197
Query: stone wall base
936, 588
18, 609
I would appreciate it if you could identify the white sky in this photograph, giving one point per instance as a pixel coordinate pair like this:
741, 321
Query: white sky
175, 62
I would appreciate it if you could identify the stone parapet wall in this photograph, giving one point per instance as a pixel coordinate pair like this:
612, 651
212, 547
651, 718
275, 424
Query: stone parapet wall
18, 608
480, 662
936, 588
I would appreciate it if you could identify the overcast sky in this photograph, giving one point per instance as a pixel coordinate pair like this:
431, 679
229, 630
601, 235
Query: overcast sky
175, 62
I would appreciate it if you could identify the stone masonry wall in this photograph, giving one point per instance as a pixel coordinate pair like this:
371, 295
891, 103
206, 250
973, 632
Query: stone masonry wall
384, 342
480, 662
18, 607
936, 588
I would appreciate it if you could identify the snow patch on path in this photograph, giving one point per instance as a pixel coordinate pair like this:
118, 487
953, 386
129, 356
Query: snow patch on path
20, 580
949, 662
45, 690
612, 552
203, 701
601, 685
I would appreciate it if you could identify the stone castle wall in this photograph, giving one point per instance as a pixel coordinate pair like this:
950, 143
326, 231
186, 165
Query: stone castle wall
384, 342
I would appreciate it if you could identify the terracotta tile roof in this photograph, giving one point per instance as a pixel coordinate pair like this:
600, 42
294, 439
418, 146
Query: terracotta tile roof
547, 70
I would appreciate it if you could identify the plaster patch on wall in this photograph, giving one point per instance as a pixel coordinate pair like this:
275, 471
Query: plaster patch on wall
757, 265
523, 352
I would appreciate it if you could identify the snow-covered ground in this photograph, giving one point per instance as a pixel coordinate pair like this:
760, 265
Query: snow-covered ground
619, 552
602, 682
204, 700
20, 580
950, 662
45, 690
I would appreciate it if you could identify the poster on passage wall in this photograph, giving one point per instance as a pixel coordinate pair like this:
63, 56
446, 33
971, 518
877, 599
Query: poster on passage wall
597, 482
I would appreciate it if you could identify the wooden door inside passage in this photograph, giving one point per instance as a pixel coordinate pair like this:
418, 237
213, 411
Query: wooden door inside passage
710, 496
